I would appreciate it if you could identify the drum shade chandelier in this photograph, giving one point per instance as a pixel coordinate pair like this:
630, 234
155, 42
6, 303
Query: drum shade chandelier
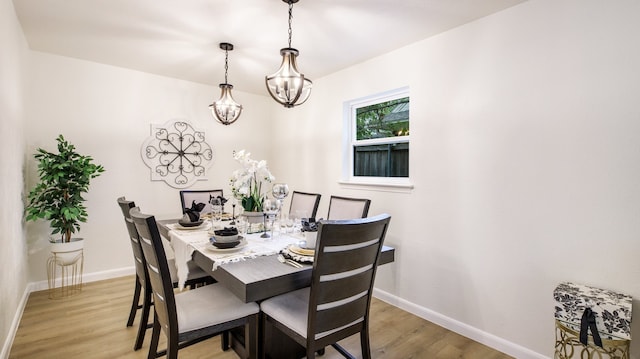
226, 110
288, 86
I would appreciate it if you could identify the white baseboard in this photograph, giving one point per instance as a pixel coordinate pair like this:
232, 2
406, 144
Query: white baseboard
42, 285
87, 278
463, 329
6, 347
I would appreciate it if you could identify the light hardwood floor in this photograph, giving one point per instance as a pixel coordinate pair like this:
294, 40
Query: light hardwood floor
93, 325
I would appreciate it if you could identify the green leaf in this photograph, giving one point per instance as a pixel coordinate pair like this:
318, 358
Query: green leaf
57, 197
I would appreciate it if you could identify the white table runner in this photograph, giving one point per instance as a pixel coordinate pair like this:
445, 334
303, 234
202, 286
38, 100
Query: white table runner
185, 242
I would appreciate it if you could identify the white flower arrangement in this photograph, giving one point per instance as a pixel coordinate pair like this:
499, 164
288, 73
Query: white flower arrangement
246, 182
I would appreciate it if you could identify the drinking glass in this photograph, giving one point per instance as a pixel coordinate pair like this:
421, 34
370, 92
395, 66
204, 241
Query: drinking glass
288, 223
242, 225
216, 210
280, 191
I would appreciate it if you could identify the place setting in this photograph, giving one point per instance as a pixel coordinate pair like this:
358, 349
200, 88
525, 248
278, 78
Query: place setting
187, 227
191, 220
298, 253
227, 240
227, 245
303, 251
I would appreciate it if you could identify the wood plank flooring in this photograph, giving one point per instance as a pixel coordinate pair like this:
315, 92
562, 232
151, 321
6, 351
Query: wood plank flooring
93, 325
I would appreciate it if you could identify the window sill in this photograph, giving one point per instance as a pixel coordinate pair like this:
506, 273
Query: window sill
384, 185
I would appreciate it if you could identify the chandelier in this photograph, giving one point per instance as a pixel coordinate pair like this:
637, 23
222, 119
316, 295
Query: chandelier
288, 86
226, 110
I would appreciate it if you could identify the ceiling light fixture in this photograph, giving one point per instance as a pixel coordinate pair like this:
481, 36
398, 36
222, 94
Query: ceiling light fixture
226, 110
288, 86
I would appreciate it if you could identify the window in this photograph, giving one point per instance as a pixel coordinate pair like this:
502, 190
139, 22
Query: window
376, 145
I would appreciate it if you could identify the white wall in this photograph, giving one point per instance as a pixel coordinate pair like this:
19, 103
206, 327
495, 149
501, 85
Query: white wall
525, 152
106, 112
524, 157
13, 253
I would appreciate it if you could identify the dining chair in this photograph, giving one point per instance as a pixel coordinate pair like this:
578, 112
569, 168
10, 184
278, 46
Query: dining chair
303, 202
199, 196
348, 208
192, 316
336, 305
142, 285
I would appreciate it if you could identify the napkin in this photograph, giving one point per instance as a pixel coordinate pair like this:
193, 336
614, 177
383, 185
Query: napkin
226, 231
194, 211
310, 224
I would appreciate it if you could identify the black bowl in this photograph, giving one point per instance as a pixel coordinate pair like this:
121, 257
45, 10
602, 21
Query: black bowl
190, 224
224, 245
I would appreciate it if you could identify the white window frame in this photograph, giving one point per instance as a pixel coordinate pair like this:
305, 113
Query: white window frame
349, 141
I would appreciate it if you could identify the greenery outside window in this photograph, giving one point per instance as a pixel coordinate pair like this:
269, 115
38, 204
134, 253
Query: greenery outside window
376, 143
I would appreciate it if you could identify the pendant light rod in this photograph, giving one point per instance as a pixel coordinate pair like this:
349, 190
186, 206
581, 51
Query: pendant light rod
290, 17
226, 47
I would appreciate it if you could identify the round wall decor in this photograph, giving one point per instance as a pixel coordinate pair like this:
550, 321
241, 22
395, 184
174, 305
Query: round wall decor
177, 154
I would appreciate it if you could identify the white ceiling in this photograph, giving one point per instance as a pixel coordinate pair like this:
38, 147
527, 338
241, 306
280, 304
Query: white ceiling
181, 39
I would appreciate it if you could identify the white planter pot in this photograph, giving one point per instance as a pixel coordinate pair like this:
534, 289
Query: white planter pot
67, 253
64, 268
253, 217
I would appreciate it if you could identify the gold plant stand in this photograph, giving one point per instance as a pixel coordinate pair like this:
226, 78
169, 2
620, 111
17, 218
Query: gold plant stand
64, 273
568, 345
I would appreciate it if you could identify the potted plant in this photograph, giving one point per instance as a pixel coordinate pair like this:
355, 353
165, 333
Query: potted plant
57, 197
246, 184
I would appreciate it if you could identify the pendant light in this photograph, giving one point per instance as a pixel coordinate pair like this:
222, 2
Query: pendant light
226, 110
288, 86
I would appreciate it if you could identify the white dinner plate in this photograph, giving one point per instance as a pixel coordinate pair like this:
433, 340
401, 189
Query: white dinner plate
243, 243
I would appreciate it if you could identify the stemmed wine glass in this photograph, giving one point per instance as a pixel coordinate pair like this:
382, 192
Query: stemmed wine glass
280, 191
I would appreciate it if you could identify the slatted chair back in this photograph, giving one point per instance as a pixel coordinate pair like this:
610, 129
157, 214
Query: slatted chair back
344, 271
304, 205
138, 256
158, 269
199, 196
142, 285
348, 208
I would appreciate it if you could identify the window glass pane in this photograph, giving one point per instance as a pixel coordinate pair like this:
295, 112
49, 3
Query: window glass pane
389, 160
385, 119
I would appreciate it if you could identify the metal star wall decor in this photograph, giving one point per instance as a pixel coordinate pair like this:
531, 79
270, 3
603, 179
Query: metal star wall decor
177, 154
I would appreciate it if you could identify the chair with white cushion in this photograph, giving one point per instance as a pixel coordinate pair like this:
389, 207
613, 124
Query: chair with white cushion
187, 197
196, 276
336, 305
304, 205
348, 208
190, 317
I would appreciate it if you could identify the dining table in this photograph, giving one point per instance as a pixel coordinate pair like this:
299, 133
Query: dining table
252, 271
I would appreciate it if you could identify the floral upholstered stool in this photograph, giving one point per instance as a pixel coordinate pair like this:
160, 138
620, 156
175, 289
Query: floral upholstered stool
591, 322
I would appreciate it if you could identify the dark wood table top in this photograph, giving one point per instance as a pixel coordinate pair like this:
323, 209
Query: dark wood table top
261, 277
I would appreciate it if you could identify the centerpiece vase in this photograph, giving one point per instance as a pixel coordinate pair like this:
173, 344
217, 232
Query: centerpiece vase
253, 217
